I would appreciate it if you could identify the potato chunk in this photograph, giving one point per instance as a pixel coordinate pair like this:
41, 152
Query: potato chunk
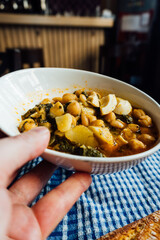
82, 135
64, 122
104, 137
102, 134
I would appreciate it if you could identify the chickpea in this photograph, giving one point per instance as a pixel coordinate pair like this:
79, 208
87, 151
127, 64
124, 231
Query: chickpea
67, 97
56, 110
145, 121
88, 110
110, 117
121, 141
146, 130
82, 98
137, 145
74, 108
27, 125
46, 124
118, 124
91, 118
74, 121
128, 134
84, 120
98, 123
147, 139
137, 113
134, 127
57, 99
78, 92
45, 101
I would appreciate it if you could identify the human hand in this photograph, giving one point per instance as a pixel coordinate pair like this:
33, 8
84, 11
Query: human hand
17, 220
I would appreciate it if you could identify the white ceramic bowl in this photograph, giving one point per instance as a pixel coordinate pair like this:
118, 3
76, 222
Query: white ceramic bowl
21, 90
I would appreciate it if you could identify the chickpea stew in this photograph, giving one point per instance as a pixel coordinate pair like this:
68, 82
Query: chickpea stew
87, 124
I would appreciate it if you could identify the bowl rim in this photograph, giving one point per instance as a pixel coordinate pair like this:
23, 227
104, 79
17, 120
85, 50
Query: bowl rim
121, 159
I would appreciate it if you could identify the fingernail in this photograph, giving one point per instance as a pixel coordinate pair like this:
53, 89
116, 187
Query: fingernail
42, 130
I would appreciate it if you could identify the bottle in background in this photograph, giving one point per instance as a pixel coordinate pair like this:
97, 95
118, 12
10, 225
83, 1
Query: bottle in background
5, 6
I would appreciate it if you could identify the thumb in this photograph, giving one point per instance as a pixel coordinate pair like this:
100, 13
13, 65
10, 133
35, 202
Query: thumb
16, 151
5, 212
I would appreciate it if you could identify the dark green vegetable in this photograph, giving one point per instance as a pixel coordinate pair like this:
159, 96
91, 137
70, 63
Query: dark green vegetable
114, 131
87, 151
22, 128
52, 139
65, 146
125, 118
47, 107
53, 124
28, 113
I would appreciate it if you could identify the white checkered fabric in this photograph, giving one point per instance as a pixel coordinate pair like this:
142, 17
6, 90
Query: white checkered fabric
111, 202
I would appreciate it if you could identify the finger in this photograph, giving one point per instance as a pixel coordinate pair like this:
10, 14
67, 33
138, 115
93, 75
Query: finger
5, 212
29, 186
50, 209
16, 151
24, 225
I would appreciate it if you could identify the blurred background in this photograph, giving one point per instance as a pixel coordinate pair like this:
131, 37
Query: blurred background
118, 38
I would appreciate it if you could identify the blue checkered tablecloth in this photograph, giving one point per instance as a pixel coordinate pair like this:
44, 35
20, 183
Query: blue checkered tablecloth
111, 202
